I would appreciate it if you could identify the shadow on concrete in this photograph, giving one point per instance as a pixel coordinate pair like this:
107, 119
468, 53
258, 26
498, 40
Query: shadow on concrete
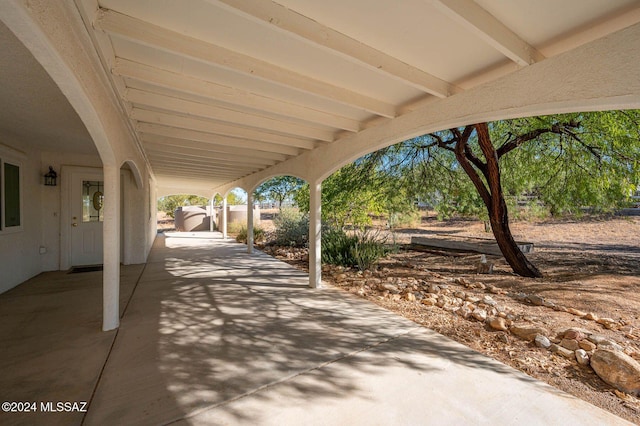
209, 324
213, 335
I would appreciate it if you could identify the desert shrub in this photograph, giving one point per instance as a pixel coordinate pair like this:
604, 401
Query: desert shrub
234, 228
258, 234
361, 250
336, 247
409, 218
291, 228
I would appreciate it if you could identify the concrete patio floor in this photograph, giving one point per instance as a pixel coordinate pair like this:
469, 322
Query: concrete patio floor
212, 335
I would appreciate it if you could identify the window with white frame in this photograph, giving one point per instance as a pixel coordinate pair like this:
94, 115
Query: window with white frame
10, 193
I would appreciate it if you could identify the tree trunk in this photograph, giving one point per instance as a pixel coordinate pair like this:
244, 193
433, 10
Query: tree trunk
513, 255
493, 198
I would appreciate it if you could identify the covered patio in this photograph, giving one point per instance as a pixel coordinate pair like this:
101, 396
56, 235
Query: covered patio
212, 335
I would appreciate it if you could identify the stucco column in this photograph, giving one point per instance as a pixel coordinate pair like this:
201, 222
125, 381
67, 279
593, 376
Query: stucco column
315, 228
211, 214
111, 249
249, 221
224, 217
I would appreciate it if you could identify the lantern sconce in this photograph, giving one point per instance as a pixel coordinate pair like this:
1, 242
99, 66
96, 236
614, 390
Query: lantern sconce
50, 179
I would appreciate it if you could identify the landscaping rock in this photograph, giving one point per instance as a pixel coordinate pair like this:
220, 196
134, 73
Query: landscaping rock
488, 300
480, 315
498, 323
575, 334
391, 288
460, 294
535, 299
608, 344
587, 345
428, 301
493, 289
591, 316
582, 357
527, 332
576, 312
520, 296
433, 289
563, 352
410, 297
464, 312
570, 344
603, 341
617, 369
542, 341
608, 323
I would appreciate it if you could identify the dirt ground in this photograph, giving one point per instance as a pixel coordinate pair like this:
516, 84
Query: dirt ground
590, 265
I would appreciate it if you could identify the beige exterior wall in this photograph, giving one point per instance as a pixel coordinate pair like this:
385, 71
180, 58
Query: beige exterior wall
19, 248
20, 256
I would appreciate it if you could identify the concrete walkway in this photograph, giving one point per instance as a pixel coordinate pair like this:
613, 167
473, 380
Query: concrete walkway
212, 335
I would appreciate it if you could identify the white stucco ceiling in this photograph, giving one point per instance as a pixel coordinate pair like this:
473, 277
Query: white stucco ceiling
221, 89
33, 111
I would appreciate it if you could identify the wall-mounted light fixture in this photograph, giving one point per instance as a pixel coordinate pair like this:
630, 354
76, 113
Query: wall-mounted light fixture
50, 179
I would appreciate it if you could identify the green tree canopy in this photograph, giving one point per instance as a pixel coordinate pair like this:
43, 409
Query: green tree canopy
170, 203
234, 198
595, 163
355, 192
278, 189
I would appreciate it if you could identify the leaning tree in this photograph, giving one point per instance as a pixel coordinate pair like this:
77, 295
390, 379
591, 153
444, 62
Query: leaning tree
589, 159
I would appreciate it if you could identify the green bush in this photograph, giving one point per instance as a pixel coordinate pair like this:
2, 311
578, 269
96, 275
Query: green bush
336, 247
361, 250
291, 228
258, 235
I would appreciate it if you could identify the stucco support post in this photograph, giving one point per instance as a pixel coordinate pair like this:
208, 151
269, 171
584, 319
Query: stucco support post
211, 214
111, 249
315, 229
249, 222
224, 217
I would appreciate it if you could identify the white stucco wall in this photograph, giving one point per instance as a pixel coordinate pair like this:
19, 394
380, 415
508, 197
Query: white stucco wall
20, 257
19, 250
139, 220
51, 202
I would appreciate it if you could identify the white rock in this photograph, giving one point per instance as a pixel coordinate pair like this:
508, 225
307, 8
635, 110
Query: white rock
582, 357
542, 341
480, 315
488, 300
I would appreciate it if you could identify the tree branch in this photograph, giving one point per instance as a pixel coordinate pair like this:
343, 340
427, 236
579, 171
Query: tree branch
561, 128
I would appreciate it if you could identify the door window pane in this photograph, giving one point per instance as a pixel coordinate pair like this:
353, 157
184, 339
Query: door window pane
11, 195
92, 201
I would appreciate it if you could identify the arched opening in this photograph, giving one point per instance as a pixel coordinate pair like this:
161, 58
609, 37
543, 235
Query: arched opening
185, 213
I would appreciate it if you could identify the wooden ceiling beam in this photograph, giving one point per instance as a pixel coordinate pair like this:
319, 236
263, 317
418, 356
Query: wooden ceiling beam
292, 22
211, 156
473, 17
190, 108
212, 139
207, 147
182, 45
228, 95
207, 126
